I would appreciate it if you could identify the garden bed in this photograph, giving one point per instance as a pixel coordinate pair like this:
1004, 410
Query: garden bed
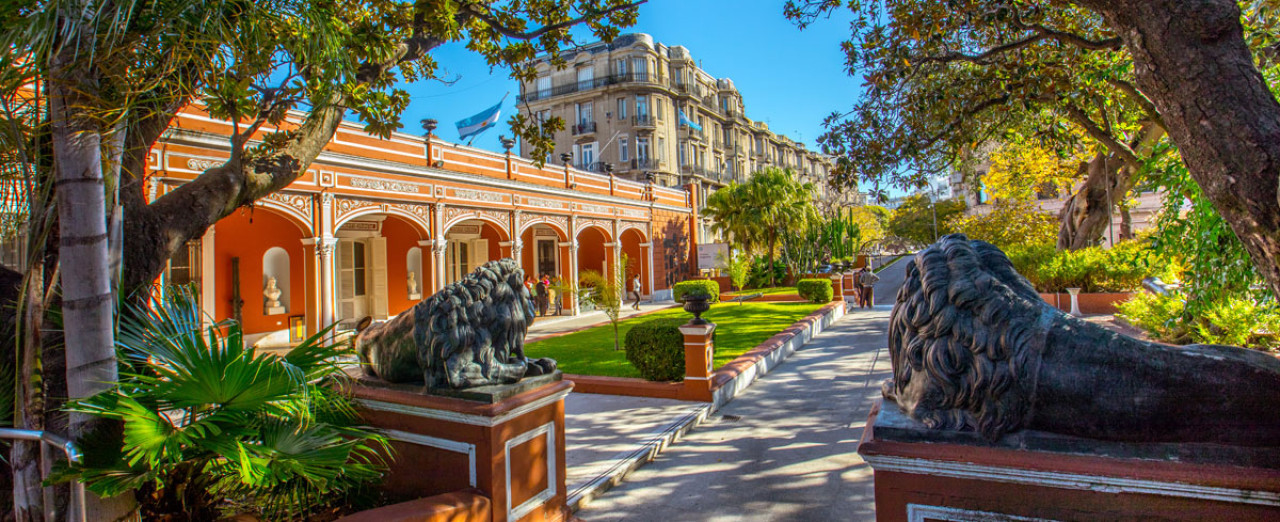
739, 329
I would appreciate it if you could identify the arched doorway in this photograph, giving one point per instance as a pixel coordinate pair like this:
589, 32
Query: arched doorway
542, 251
251, 248
636, 249
594, 246
472, 243
379, 266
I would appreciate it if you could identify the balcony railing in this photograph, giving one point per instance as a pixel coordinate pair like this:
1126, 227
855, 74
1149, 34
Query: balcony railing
586, 127
643, 120
595, 166
587, 85
644, 163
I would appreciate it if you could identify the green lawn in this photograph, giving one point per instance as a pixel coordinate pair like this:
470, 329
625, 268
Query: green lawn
738, 328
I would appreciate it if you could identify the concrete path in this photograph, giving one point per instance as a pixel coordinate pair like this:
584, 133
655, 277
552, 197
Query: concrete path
891, 278
783, 450
605, 433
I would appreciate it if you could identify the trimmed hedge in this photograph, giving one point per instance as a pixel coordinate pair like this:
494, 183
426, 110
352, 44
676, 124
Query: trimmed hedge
656, 349
696, 286
815, 290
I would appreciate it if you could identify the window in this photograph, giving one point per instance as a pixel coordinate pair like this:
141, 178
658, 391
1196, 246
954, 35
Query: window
622, 108
584, 113
184, 266
620, 66
662, 149
657, 108
544, 84
642, 106
623, 153
642, 148
543, 116
585, 77
588, 154
640, 66
680, 156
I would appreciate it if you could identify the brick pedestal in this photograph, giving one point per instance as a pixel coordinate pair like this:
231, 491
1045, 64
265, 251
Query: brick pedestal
510, 449
837, 287
922, 474
698, 356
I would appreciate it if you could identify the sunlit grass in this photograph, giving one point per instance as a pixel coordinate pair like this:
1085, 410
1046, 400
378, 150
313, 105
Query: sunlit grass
777, 290
738, 328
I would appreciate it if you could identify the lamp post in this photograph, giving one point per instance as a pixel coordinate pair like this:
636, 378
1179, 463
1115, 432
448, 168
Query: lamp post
429, 124
507, 143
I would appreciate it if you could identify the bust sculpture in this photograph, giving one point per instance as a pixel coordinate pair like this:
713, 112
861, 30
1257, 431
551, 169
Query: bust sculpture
973, 347
469, 334
413, 284
273, 293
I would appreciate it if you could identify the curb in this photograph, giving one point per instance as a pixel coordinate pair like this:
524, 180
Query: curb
781, 346
626, 462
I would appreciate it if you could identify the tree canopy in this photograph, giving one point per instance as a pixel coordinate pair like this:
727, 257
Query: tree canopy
756, 213
914, 219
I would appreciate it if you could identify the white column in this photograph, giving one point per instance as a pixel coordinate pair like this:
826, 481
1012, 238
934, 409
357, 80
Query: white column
208, 276
326, 248
573, 271
649, 273
427, 245
439, 247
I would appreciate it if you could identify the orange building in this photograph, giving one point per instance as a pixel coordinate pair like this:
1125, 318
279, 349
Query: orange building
373, 226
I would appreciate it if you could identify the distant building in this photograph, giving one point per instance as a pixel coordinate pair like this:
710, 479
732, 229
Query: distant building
622, 104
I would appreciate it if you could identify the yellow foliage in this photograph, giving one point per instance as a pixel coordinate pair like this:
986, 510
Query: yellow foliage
1021, 168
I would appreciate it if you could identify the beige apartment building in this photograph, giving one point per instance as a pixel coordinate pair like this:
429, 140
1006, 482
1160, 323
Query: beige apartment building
621, 103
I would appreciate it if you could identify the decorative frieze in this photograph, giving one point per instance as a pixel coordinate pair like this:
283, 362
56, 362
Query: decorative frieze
542, 203
595, 209
501, 218
480, 195
528, 219
389, 185
299, 205
201, 165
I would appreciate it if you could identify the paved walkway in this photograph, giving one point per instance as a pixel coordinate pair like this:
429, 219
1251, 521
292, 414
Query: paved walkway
783, 450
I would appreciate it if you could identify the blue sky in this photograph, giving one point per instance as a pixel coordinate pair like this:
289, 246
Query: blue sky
789, 78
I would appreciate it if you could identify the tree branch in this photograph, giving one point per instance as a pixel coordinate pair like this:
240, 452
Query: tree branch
1140, 99
1106, 139
482, 12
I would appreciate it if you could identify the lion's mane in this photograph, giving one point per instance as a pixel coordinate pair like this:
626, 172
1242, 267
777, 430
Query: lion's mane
963, 338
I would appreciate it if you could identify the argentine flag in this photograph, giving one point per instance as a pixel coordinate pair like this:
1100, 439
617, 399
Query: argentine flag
479, 123
684, 120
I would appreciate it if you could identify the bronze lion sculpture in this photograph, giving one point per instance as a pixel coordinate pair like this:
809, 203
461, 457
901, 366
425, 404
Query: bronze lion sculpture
470, 333
974, 347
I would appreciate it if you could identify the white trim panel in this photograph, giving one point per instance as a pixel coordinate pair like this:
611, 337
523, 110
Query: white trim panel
461, 418
548, 430
1076, 481
444, 444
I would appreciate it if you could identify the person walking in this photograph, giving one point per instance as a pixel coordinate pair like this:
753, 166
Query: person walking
635, 290
868, 280
542, 295
857, 290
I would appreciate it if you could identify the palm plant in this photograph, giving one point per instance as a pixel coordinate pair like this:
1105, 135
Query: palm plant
606, 295
770, 205
209, 426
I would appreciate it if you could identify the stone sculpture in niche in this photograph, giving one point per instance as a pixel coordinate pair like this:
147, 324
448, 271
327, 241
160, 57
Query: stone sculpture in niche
413, 286
974, 347
470, 333
273, 293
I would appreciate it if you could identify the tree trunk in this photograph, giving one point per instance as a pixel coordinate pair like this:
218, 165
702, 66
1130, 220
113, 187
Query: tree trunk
1087, 214
1126, 223
87, 303
1191, 60
28, 495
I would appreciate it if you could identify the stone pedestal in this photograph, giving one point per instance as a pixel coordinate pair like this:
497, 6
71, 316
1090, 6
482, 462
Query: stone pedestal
837, 287
699, 353
506, 442
274, 310
922, 474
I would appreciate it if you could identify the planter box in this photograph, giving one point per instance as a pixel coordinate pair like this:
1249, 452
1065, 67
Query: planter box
470, 504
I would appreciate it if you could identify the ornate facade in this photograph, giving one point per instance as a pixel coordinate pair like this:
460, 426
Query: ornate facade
375, 225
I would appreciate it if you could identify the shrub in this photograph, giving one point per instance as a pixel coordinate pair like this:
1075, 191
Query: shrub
761, 277
815, 290
1093, 269
656, 349
1230, 320
697, 286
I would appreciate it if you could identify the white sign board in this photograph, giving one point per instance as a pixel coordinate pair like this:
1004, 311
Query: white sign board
713, 255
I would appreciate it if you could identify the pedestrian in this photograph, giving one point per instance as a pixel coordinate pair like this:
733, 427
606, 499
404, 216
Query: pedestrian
868, 280
635, 291
557, 299
857, 290
541, 289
